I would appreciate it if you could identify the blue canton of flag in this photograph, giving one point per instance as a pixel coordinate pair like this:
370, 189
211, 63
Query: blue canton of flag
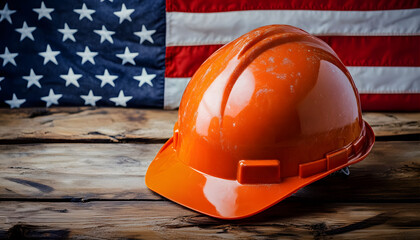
92, 52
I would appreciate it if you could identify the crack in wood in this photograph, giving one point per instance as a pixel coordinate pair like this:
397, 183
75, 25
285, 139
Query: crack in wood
25, 231
322, 229
40, 113
412, 168
404, 137
110, 139
41, 187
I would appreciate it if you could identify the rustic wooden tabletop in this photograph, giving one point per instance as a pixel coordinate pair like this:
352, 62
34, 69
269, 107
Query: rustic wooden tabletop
79, 173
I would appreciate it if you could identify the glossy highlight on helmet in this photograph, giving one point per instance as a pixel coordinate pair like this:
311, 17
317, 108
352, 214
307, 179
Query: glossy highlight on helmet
264, 116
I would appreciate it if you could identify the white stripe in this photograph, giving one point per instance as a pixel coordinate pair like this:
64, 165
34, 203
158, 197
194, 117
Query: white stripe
222, 27
367, 80
174, 88
386, 79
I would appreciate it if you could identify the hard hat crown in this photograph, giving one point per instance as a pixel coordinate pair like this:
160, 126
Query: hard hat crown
275, 93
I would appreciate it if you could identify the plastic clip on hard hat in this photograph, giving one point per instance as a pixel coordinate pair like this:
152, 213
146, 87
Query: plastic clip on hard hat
264, 116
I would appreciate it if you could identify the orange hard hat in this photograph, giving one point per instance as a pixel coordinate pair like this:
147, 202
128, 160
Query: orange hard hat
264, 116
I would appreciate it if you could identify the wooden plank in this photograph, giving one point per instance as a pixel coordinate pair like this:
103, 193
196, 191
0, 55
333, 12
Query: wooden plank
116, 171
84, 124
165, 220
391, 124
106, 171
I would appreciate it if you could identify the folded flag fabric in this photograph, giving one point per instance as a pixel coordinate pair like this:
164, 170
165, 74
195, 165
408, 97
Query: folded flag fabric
75, 53
143, 53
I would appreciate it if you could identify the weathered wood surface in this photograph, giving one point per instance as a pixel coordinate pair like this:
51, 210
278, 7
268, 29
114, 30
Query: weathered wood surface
84, 124
390, 124
166, 220
82, 172
69, 182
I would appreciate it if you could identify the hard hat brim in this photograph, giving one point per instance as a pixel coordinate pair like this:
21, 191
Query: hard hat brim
224, 198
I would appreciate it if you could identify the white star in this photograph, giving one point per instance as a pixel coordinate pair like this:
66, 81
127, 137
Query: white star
90, 99
145, 78
127, 56
124, 13
26, 31
108, 0
33, 79
106, 78
52, 98
87, 55
5, 14
43, 11
1, 79
85, 12
15, 102
8, 57
105, 34
49, 55
68, 33
71, 78
121, 100
145, 34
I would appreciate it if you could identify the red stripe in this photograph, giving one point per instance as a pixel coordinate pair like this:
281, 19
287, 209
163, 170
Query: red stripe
376, 51
238, 5
390, 102
183, 61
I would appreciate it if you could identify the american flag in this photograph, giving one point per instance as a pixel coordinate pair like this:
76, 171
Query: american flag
67, 52
135, 53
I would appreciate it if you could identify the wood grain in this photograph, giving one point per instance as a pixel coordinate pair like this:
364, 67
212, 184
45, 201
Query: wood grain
107, 171
166, 220
391, 124
84, 124
84, 172
69, 182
